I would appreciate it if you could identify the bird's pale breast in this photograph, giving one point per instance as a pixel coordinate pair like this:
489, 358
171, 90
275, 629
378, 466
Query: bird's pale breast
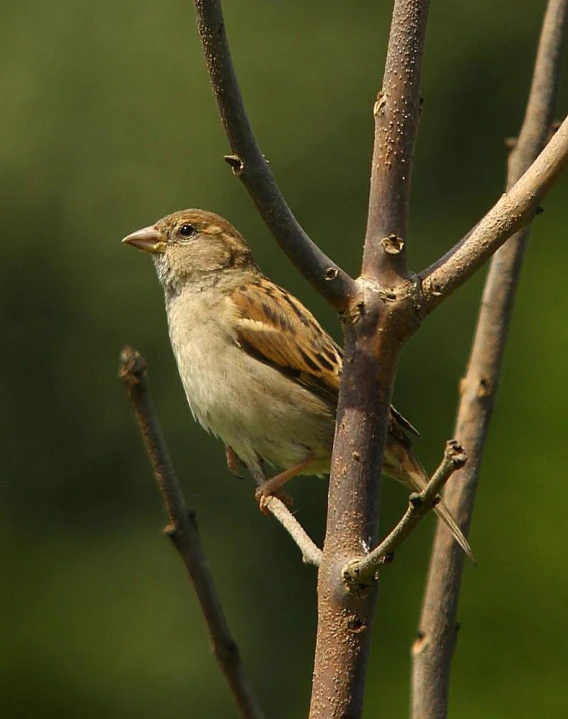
251, 406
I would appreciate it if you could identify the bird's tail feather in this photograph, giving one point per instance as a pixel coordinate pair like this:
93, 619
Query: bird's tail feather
446, 516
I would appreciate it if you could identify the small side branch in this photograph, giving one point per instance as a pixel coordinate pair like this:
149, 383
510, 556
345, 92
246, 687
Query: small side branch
311, 554
182, 529
512, 212
250, 166
364, 570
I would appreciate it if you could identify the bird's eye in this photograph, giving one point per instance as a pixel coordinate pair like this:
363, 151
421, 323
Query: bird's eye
187, 230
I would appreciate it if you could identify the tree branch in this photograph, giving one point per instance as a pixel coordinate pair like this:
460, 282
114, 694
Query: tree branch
375, 325
251, 167
311, 554
397, 114
363, 570
513, 211
433, 649
182, 529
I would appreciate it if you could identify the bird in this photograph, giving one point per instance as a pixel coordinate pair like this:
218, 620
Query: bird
258, 369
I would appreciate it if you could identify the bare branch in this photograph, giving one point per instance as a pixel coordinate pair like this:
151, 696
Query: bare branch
310, 552
183, 531
375, 327
512, 212
433, 649
397, 113
251, 167
363, 570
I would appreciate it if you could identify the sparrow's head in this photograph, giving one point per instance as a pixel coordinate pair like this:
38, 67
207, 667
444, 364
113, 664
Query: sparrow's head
192, 246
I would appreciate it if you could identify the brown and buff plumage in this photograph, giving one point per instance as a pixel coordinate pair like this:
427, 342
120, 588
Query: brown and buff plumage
258, 369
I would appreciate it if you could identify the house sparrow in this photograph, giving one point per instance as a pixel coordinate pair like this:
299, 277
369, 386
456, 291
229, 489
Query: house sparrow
257, 368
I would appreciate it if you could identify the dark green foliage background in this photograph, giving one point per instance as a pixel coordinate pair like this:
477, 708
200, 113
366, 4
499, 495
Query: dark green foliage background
109, 123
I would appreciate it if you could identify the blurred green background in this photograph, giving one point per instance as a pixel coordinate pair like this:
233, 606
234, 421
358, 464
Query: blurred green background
108, 124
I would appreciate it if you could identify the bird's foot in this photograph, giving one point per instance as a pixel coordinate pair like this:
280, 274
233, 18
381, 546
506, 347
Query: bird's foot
263, 496
273, 485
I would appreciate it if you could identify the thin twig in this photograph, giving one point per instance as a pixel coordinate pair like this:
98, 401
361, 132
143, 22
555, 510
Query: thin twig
251, 167
364, 569
182, 529
434, 647
513, 211
310, 552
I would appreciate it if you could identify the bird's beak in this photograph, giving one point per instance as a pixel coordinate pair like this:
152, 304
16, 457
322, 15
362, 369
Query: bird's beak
148, 239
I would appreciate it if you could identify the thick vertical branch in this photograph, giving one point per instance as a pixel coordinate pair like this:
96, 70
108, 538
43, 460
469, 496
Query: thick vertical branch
433, 649
397, 114
377, 322
345, 617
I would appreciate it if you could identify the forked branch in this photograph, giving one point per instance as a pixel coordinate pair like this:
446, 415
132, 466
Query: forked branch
363, 570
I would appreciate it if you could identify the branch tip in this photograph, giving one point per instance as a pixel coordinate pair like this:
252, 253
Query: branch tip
132, 365
455, 453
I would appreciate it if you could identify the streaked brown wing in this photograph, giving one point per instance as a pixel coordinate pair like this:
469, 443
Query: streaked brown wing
276, 329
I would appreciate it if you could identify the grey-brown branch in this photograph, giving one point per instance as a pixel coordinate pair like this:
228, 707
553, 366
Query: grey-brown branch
311, 553
513, 211
364, 570
182, 529
381, 310
250, 165
375, 329
433, 649
397, 114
